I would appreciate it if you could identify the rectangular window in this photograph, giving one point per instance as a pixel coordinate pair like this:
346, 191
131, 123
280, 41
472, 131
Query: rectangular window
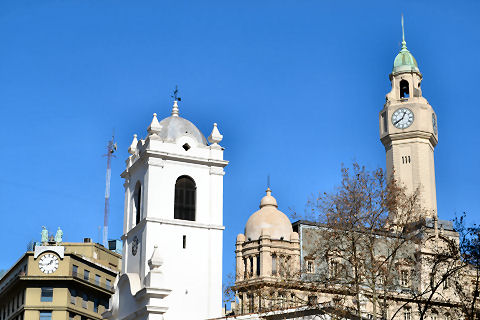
310, 268
74, 270
184, 242
73, 296
250, 303
71, 316
245, 267
108, 284
274, 265
404, 279
407, 314
86, 275
97, 280
240, 301
446, 283
45, 315
333, 269
85, 301
47, 295
281, 299
95, 305
258, 265
251, 265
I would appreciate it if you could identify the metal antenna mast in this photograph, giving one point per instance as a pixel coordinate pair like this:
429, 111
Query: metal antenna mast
111, 148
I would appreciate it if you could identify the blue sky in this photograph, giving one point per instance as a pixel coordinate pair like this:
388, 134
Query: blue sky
295, 87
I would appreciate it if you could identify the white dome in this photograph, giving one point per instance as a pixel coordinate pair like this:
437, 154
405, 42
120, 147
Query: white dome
269, 219
175, 127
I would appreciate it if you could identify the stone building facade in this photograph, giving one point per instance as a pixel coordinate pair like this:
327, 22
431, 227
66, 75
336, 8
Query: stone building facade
280, 265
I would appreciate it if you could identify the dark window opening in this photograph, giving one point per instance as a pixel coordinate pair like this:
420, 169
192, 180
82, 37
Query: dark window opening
185, 198
251, 265
245, 267
184, 242
73, 296
258, 265
186, 146
85, 301
47, 295
95, 305
250, 303
404, 89
137, 198
74, 270
385, 122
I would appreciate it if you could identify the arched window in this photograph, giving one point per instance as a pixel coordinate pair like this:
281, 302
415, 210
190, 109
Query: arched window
185, 198
137, 199
404, 89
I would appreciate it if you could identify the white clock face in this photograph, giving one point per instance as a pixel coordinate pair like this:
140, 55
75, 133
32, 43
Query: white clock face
48, 263
402, 118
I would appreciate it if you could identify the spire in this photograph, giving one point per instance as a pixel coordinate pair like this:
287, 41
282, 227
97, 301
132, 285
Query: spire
215, 137
175, 109
133, 146
154, 127
404, 61
404, 43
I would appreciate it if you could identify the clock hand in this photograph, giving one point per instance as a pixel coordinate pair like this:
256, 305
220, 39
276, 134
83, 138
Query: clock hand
403, 116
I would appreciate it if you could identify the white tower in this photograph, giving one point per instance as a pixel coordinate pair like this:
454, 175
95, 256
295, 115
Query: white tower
173, 200
408, 130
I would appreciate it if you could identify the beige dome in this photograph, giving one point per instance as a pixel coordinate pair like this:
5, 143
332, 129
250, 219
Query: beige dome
269, 219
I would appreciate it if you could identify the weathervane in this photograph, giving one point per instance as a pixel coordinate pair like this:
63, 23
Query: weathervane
175, 94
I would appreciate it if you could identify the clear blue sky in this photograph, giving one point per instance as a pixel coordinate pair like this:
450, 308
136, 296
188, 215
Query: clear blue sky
295, 86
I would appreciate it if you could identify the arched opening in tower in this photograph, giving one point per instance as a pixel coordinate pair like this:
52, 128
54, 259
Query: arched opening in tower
404, 89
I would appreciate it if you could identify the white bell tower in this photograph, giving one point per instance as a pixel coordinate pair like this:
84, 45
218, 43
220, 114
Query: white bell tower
174, 201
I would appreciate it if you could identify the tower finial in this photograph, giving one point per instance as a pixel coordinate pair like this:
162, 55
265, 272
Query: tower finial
403, 31
404, 43
176, 98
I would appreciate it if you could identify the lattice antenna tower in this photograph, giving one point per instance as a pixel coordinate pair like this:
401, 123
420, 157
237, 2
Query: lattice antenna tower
111, 148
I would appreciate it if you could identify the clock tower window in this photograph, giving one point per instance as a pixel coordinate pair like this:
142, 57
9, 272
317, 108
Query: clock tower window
185, 198
404, 89
137, 198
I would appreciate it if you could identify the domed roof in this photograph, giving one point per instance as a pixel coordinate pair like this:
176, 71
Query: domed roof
175, 127
404, 61
270, 219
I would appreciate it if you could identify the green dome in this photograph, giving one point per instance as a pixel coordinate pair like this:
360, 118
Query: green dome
404, 61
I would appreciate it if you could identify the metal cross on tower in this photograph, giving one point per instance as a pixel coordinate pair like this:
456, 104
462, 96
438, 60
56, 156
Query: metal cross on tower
175, 94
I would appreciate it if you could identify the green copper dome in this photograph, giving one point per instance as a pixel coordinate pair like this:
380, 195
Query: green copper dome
404, 61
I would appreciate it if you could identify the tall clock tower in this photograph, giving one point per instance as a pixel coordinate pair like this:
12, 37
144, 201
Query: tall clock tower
408, 130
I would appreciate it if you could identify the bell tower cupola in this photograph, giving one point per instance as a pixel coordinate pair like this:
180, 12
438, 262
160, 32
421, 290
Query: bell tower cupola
408, 131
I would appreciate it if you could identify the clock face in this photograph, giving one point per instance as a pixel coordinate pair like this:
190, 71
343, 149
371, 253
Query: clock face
402, 118
48, 263
134, 245
434, 123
